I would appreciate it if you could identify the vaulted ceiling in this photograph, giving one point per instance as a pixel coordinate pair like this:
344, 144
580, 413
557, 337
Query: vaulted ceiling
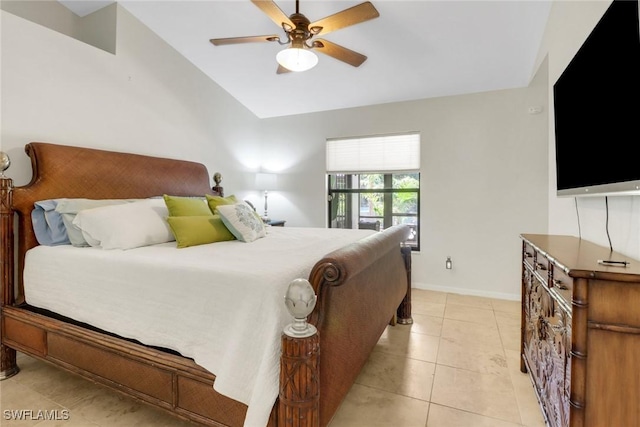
416, 49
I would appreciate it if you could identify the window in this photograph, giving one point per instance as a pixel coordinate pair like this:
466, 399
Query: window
374, 183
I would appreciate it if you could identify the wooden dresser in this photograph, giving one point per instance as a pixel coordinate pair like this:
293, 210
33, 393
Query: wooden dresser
581, 332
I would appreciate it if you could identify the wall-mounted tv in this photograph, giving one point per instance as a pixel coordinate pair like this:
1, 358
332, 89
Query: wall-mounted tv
597, 109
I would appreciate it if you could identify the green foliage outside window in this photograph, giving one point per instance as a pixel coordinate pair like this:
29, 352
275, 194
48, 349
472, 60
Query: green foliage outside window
389, 199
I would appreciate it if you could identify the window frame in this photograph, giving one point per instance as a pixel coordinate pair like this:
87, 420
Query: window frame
387, 191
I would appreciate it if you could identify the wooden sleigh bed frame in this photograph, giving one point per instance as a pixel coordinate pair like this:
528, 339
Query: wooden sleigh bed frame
359, 289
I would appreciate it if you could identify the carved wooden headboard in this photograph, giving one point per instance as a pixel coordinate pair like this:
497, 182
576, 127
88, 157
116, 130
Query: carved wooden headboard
61, 171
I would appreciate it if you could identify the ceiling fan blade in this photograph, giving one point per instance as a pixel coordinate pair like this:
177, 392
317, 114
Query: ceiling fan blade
338, 52
354, 15
274, 12
250, 39
282, 70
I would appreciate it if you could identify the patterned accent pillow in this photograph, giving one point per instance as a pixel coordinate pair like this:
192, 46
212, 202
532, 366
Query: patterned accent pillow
242, 221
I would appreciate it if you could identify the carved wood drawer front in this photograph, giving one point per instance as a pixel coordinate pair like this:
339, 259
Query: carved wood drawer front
549, 369
528, 254
581, 332
560, 392
547, 334
562, 286
541, 266
539, 332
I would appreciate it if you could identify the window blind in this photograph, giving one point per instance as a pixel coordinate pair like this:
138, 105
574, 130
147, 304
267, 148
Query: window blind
385, 153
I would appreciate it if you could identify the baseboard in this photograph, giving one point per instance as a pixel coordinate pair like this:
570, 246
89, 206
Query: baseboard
466, 291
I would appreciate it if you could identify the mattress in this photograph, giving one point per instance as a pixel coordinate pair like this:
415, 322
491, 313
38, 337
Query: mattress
221, 304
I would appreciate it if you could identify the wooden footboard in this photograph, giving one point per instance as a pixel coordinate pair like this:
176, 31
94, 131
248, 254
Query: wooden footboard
359, 289
167, 381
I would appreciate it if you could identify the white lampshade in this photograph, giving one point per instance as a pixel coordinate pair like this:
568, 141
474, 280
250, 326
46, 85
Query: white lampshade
266, 181
297, 59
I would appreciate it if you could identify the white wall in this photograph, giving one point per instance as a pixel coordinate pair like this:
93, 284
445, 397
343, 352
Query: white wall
569, 25
145, 99
97, 29
483, 177
49, 13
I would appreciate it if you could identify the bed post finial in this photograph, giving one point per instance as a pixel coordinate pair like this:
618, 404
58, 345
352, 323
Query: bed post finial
300, 301
5, 162
299, 400
217, 179
8, 366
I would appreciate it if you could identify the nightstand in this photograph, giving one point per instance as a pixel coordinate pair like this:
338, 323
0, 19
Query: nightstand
276, 222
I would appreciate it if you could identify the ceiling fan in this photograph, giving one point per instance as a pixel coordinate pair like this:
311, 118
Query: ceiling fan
300, 35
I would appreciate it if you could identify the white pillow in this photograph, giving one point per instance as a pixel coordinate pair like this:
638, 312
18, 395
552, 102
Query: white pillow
242, 221
69, 208
126, 226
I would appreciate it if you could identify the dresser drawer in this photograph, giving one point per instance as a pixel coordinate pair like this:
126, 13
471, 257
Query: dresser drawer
541, 267
580, 332
528, 253
561, 284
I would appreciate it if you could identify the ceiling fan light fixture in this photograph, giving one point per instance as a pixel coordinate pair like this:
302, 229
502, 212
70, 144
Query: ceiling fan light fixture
297, 59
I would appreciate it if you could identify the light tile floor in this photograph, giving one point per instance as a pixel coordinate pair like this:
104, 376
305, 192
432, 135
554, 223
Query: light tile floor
457, 365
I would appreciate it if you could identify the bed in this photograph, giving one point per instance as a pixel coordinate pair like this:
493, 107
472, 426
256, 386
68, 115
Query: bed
362, 284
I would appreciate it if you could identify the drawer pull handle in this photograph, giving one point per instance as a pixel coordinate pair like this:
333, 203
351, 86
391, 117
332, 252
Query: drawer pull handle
541, 266
558, 284
528, 254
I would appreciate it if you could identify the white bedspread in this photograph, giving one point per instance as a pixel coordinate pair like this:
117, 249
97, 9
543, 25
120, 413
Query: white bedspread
221, 304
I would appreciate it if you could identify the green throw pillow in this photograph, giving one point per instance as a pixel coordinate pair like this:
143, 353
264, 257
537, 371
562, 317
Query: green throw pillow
186, 206
198, 230
215, 201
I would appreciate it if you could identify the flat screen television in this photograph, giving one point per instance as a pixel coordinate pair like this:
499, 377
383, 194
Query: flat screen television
597, 109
